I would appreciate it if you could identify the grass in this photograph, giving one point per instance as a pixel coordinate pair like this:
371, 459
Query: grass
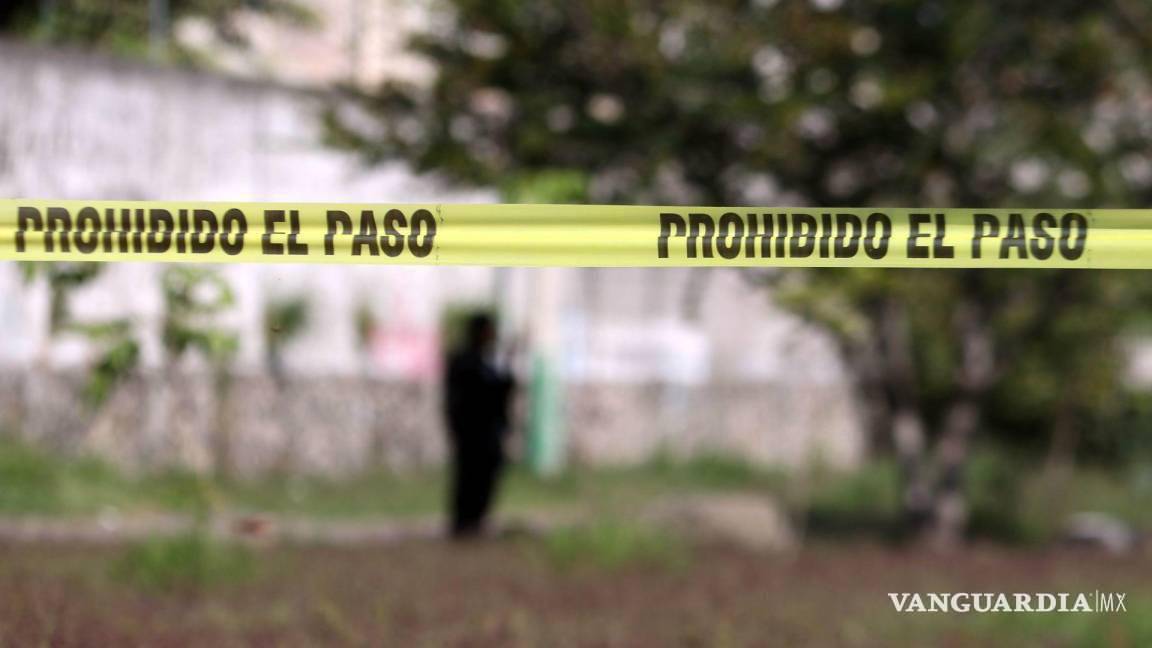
34, 482
1133, 628
193, 561
498, 593
861, 503
614, 544
1010, 499
604, 582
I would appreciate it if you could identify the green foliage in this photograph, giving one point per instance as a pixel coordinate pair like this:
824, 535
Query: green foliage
366, 322
612, 545
120, 355
1005, 499
996, 491
119, 352
860, 103
869, 102
1011, 498
29, 481
62, 279
34, 481
284, 319
1081, 630
712, 471
191, 561
192, 296
863, 502
556, 186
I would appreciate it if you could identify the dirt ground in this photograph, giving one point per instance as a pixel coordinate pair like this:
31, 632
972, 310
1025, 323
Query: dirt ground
509, 593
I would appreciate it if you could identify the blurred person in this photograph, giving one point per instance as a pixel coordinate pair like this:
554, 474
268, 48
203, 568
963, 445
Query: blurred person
477, 396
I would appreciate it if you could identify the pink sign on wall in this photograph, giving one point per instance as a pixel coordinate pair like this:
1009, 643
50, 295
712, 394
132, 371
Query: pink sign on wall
406, 353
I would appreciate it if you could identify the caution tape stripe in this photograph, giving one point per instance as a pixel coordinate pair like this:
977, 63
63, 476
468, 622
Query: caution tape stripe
573, 235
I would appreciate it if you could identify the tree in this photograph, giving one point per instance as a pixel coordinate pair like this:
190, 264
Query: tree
284, 320
193, 298
828, 102
117, 349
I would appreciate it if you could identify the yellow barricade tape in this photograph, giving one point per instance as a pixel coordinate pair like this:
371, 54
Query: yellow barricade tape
573, 235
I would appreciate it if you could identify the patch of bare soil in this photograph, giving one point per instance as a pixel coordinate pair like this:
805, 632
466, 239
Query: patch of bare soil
507, 593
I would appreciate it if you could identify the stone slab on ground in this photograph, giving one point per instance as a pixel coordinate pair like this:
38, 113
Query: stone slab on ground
750, 521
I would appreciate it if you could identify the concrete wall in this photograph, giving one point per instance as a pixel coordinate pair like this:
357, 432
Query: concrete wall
651, 359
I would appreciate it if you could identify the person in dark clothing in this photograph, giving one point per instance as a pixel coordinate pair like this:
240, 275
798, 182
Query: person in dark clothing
477, 397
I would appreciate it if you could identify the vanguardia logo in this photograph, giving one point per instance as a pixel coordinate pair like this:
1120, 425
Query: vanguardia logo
980, 602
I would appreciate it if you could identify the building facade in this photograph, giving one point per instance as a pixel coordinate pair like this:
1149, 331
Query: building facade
644, 360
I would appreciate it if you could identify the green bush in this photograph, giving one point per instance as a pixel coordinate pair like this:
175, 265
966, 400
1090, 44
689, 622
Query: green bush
713, 470
861, 503
610, 545
191, 561
36, 481
997, 485
28, 481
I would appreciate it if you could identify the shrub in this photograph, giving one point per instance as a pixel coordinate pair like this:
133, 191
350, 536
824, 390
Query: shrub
611, 545
191, 561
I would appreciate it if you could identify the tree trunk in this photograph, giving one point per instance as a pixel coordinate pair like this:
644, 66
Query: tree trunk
974, 377
908, 428
1065, 437
916, 478
223, 441
949, 508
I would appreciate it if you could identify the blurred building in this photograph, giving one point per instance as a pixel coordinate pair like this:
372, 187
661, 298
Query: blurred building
646, 360
361, 42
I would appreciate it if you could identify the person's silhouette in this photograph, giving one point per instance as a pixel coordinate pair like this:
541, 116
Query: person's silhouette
477, 395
